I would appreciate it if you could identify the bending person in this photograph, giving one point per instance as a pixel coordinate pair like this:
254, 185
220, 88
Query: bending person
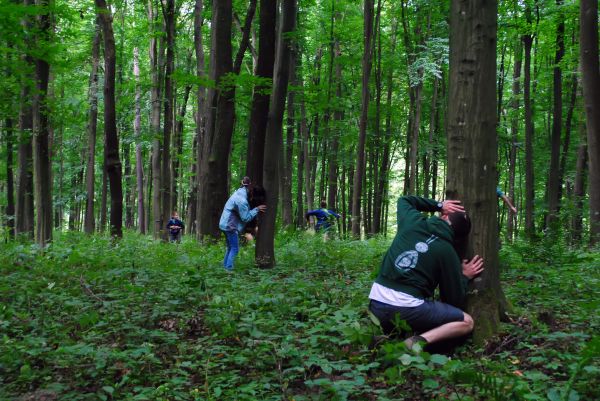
424, 255
326, 218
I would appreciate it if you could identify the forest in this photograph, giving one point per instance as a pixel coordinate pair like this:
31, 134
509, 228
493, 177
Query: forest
116, 113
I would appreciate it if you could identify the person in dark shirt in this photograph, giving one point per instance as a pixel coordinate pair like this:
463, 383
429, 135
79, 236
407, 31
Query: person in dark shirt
175, 227
426, 253
326, 218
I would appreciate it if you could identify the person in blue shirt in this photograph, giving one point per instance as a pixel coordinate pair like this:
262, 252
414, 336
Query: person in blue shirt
175, 226
502, 196
326, 218
236, 214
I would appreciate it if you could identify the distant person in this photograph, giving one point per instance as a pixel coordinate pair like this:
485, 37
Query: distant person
256, 196
426, 253
175, 226
502, 196
236, 214
326, 218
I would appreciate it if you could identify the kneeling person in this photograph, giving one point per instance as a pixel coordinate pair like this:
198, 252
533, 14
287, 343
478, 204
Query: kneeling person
423, 256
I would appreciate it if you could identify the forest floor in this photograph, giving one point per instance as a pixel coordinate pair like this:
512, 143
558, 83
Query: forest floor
142, 320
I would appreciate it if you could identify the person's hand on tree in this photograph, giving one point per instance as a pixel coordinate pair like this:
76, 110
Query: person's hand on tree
261, 208
513, 209
472, 268
451, 206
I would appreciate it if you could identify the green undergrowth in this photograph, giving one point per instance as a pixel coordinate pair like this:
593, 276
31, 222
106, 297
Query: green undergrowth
88, 319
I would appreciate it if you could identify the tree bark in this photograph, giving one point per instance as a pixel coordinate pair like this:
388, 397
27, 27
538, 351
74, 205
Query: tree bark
89, 224
41, 137
590, 68
260, 98
111, 141
360, 151
473, 148
265, 252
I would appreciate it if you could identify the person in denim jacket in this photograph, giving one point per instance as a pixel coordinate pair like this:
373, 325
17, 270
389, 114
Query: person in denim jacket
236, 214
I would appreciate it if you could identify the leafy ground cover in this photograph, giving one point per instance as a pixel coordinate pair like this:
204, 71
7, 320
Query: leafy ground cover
142, 320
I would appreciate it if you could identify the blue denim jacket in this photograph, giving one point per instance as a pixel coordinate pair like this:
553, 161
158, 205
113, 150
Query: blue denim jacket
236, 212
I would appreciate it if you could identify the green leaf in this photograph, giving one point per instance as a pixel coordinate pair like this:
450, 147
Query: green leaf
430, 383
554, 395
110, 390
439, 359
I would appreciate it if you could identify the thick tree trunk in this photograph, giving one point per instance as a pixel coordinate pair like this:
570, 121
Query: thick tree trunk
590, 68
265, 252
260, 99
41, 137
89, 224
553, 176
360, 151
214, 159
111, 141
472, 147
137, 132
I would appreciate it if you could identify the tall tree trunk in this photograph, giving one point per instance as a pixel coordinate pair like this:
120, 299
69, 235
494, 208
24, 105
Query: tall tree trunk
286, 194
514, 132
590, 68
300, 179
385, 159
111, 141
529, 133
360, 151
89, 220
24, 207
178, 145
201, 112
473, 148
10, 191
260, 99
567, 141
219, 126
265, 252
169, 100
41, 136
306, 154
553, 176
431, 140
156, 55
137, 132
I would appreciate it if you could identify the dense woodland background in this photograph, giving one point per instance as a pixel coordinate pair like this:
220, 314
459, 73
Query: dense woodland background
173, 102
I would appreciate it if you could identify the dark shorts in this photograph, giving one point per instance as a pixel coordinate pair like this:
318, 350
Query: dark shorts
429, 315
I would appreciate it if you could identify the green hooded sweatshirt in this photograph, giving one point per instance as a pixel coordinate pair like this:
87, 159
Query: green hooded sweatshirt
421, 256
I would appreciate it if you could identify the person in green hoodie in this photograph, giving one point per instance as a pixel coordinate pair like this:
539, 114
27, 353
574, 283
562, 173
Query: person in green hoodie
426, 253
